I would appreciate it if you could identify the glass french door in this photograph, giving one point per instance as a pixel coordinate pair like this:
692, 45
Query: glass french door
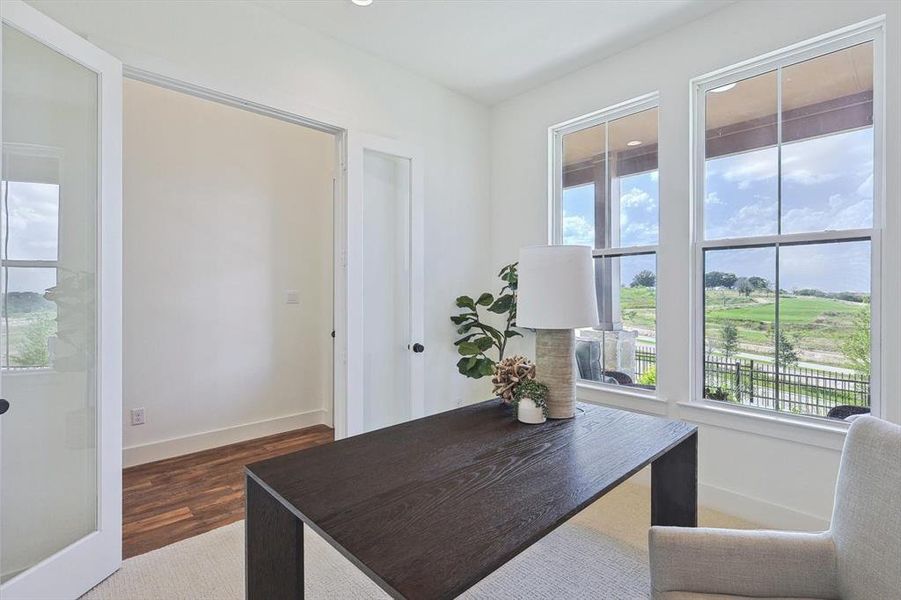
385, 347
60, 310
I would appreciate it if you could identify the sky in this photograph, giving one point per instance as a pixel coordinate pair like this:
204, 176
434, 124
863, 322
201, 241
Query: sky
33, 233
827, 184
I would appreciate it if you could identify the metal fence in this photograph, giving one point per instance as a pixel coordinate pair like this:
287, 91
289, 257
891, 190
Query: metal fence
796, 389
645, 358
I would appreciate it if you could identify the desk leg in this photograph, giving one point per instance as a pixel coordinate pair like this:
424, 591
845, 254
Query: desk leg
273, 546
674, 486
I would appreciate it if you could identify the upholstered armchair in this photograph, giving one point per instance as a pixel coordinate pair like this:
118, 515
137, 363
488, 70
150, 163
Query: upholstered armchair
858, 558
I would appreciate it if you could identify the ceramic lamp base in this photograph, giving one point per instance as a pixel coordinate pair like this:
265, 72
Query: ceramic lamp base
554, 351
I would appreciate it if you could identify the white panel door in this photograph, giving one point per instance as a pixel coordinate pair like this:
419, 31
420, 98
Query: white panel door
385, 346
60, 325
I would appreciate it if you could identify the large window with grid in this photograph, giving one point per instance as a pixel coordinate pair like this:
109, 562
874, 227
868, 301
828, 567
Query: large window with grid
787, 217
606, 196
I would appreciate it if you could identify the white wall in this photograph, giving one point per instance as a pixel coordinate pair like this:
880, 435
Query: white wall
225, 211
777, 474
249, 52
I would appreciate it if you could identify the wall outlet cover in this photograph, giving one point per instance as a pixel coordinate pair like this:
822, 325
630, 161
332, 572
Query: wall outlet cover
137, 416
292, 297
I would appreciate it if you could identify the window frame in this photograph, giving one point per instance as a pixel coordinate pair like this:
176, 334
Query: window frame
872, 31
556, 133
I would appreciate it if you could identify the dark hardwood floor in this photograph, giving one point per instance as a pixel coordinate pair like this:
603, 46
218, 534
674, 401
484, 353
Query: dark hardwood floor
177, 498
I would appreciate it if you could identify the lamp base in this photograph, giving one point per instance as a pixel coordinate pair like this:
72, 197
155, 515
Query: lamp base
554, 352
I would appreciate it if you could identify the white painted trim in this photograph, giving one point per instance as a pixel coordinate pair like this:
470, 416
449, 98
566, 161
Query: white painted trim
760, 512
810, 431
196, 442
623, 397
84, 563
764, 513
227, 99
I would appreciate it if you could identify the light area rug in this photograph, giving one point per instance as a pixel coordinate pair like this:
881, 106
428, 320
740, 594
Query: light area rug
600, 553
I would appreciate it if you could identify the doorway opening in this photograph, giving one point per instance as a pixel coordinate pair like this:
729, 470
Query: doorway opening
229, 270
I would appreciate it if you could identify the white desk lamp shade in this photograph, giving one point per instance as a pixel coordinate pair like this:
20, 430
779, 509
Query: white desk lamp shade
556, 288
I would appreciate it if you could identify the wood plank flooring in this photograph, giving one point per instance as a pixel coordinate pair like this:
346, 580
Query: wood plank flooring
167, 501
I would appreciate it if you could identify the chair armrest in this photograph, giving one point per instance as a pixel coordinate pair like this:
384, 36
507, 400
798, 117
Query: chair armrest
742, 563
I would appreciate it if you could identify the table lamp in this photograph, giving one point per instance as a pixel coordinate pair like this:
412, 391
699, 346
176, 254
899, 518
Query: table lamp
556, 294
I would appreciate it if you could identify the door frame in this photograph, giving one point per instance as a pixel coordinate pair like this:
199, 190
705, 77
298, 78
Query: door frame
81, 565
350, 415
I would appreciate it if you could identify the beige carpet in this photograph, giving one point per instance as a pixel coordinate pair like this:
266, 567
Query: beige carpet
600, 553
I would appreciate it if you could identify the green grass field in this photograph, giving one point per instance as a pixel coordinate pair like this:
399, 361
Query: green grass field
815, 326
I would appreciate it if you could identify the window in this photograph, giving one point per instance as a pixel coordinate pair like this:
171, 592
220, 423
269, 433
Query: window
785, 229
30, 246
606, 197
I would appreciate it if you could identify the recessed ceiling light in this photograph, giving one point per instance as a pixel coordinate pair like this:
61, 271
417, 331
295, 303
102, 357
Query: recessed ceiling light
362, 2
634, 143
723, 88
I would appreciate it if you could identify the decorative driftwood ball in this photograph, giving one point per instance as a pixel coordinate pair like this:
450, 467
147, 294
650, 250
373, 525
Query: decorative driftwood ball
508, 373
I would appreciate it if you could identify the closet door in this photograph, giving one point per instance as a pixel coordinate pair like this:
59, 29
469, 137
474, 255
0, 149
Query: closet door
386, 349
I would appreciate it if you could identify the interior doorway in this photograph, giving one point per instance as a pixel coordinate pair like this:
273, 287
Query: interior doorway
228, 300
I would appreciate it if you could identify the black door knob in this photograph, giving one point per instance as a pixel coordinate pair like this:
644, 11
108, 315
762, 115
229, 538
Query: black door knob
4, 406
417, 347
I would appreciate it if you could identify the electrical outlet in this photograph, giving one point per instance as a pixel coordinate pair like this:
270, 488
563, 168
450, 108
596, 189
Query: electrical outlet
137, 416
292, 297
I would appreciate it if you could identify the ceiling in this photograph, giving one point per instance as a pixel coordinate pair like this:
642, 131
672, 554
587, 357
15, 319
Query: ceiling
492, 50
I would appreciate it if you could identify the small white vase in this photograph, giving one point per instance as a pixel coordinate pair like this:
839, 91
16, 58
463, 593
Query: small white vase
529, 412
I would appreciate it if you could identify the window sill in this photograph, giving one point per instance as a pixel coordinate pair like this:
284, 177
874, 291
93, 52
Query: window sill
618, 396
812, 431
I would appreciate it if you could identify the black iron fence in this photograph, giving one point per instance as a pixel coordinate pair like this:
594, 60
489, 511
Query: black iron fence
797, 390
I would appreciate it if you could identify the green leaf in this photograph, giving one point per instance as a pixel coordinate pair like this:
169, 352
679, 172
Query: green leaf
466, 302
464, 328
512, 333
484, 343
464, 339
486, 366
458, 319
468, 349
485, 299
502, 304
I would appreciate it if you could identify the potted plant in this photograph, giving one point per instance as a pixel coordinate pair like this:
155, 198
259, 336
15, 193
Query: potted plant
530, 401
481, 338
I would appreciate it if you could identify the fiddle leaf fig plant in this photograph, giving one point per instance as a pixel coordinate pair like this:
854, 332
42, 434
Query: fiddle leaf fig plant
480, 339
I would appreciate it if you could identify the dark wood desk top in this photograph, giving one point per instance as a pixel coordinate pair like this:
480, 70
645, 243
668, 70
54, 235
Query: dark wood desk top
430, 507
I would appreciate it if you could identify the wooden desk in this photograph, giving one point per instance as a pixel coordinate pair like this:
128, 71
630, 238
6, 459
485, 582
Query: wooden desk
430, 507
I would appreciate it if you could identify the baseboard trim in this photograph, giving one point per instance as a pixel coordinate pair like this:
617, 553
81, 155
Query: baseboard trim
762, 512
767, 514
205, 440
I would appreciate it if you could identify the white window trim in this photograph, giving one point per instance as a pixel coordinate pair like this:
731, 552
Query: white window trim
872, 30
556, 134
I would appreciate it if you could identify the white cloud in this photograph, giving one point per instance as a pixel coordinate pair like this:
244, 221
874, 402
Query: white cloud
577, 230
635, 198
712, 198
749, 167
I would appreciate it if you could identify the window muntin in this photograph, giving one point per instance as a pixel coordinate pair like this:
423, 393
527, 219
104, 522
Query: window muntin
785, 247
608, 199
